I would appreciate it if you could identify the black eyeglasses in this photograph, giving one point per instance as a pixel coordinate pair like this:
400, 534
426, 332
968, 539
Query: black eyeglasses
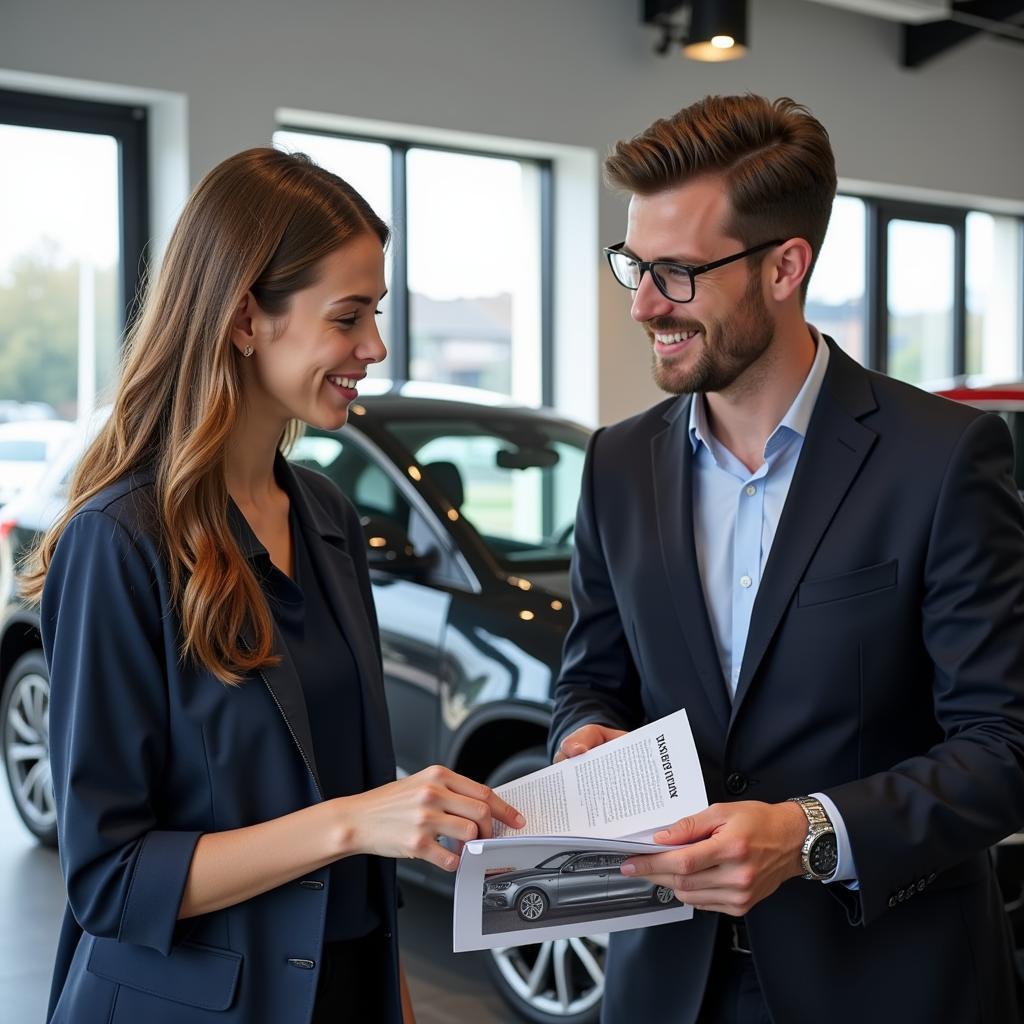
675, 281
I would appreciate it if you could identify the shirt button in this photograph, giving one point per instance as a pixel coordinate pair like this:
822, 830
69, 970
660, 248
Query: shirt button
745, 582
751, 490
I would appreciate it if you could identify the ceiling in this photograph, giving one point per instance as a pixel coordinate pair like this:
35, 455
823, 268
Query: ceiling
933, 27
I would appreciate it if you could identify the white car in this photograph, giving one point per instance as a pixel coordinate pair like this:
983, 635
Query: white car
26, 449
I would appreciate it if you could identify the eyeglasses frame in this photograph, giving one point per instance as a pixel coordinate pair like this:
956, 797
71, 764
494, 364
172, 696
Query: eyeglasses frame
692, 272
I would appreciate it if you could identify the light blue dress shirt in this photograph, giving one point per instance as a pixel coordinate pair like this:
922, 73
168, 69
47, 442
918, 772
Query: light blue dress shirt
735, 516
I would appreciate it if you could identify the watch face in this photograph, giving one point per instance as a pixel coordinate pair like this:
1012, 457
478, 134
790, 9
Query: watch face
824, 855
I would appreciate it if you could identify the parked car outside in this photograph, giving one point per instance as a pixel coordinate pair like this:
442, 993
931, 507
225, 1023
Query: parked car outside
12, 411
26, 449
570, 880
468, 505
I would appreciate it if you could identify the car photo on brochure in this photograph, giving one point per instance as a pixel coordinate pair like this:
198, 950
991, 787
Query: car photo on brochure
570, 886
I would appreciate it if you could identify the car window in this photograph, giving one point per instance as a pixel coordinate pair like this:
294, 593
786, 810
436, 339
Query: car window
375, 494
515, 479
555, 862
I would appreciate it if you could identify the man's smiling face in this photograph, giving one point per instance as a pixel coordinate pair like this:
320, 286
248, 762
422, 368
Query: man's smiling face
708, 343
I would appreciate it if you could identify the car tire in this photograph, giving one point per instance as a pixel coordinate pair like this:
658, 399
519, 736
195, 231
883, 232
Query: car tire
25, 745
531, 905
570, 984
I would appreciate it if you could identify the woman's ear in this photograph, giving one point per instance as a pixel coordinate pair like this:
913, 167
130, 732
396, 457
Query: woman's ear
243, 334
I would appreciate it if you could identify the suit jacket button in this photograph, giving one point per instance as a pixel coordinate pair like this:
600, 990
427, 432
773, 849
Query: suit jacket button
932, 877
736, 784
920, 885
306, 965
892, 901
901, 895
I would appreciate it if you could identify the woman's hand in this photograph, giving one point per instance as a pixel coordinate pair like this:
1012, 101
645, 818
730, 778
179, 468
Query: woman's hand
405, 818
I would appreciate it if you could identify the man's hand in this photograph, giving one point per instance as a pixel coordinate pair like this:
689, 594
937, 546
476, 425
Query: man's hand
585, 738
735, 855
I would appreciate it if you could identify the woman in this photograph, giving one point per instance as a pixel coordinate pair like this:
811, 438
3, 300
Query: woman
221, 757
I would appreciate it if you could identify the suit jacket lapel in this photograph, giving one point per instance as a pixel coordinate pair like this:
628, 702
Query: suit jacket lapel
834, 449
672, 466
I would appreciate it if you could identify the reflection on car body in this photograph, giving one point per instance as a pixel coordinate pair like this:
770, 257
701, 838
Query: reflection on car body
568, 880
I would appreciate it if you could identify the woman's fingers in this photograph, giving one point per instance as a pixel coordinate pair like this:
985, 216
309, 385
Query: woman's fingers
498, 808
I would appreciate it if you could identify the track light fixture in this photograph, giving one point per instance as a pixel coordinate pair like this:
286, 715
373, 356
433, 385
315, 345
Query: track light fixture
706, 30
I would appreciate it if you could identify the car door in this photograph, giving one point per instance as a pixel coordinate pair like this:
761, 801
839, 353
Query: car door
620, 886
411, 610
583, 880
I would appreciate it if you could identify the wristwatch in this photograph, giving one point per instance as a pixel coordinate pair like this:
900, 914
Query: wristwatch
819, 854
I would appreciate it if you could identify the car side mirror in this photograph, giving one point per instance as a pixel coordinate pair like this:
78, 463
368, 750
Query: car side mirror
388, 549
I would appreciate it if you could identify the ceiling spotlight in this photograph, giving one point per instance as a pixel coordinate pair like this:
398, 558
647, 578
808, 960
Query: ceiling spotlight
706, 30
718, 30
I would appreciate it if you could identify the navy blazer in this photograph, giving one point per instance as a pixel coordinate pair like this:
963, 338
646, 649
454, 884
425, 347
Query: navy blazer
150, 752
884, 666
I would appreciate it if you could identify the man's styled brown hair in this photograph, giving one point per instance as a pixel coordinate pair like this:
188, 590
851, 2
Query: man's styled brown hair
774, 156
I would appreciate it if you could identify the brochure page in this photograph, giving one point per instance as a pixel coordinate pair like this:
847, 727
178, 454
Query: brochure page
559, 876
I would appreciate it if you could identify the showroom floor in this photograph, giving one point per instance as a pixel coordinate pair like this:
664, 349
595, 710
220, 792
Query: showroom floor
446, 988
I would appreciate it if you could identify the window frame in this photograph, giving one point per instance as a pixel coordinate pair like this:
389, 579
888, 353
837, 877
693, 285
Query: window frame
879, 211
129, 125
399, 332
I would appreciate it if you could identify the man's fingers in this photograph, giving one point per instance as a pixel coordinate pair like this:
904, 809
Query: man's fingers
689, 830
698, 857
586, 738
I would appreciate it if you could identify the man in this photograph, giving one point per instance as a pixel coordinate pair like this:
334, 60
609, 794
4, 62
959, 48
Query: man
825, 567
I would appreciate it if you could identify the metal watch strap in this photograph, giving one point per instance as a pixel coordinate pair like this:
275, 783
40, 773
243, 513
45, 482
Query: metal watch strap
818, 823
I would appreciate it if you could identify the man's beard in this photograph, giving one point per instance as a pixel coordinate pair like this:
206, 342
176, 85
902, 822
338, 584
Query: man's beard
730, 346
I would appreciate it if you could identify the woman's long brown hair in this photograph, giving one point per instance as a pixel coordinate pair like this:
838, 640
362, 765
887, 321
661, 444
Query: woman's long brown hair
260, 221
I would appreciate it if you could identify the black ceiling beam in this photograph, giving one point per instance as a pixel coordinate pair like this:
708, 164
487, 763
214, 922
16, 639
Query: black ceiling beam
922, 43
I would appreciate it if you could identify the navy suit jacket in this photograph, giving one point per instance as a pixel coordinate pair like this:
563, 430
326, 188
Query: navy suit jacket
884, 666
150, 752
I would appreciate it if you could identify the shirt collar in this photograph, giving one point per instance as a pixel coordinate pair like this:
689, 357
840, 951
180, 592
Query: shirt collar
798, 415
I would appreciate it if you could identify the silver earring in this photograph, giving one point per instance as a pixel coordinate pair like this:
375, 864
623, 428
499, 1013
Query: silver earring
247, 351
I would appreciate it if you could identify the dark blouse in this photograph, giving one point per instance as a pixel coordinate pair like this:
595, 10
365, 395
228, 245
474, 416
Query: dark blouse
330, 682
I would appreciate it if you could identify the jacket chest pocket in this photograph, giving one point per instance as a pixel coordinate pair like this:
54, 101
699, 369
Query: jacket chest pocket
869, 580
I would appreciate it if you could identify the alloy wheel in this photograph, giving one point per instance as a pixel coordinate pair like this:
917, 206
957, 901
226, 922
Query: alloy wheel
27, 750
561, 978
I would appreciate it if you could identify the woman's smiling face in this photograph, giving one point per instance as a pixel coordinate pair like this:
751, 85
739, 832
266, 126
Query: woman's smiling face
307, 364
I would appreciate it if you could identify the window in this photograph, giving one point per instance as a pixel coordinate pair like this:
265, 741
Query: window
836, 296
468, 267
71, 249
994, 287
920, 287
920, 291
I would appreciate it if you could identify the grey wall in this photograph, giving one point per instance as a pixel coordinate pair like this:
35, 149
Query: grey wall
569, 71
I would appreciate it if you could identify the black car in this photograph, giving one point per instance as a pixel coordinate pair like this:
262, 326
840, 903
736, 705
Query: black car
467, 505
